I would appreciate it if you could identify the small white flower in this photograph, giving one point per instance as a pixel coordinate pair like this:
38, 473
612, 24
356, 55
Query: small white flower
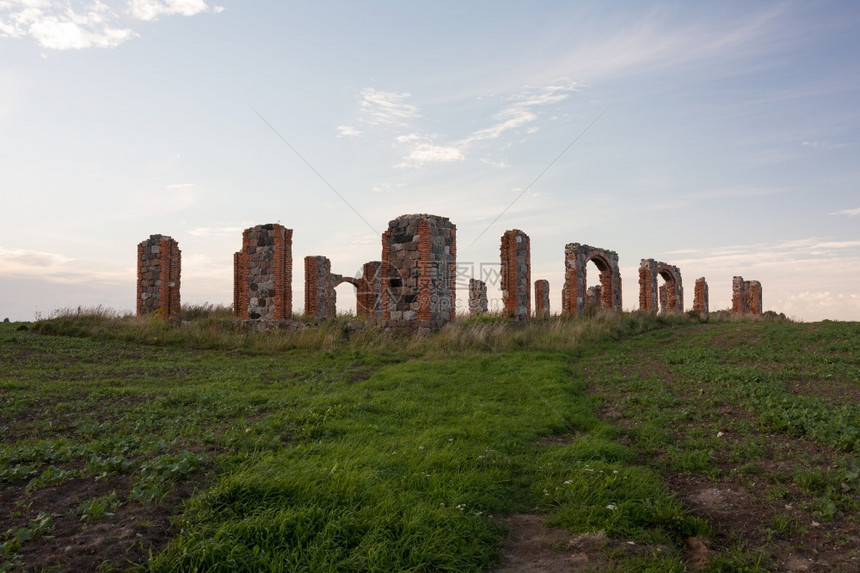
420, 447
720, 434
461, 506
568, 482
612, 506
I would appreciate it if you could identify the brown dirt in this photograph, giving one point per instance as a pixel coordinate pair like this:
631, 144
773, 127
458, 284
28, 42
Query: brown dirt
533, 547
73, 545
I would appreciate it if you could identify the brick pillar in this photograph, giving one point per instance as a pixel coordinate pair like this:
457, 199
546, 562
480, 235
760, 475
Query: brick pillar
542, 298
320, 297
740, 304
263, 274
516, 274
419, 273
478, 302
700, 297
648, 293
753, 290
369, 293
158, 273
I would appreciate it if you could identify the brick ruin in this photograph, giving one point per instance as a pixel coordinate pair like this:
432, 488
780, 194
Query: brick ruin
320, 296
573, 295
369, 293
516, 274
746, 297
419, 258
413, 288
159, 264
670, 295
700, 297
263, 274
478, 301
542, 298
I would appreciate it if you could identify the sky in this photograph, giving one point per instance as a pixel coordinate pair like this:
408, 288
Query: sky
720, 137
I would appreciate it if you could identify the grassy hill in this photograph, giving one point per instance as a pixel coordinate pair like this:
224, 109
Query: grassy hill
639, 442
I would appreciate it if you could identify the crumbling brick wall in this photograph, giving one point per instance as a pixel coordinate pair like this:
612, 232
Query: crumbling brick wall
746, 296
478, 301
320, 296
700, 297
419, 257
753, 289
158, 268
263, 274
573, 295
542, 298
369, 293
593, 299
670, 295
516, 274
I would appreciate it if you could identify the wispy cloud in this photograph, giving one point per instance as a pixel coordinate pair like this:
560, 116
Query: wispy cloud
67, 25
848, 212
153, 9
347, 131
517, 116
387, 108
53, 267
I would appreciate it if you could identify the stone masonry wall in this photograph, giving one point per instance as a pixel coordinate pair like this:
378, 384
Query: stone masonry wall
753, 289
369, 294
320, 296
516, 274
478, 301
419, 257
670, 295
263, 274
158, 268
746, 297
700, 297
542, 298
573, 295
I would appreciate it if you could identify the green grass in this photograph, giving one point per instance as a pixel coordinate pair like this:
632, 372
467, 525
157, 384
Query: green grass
335, 449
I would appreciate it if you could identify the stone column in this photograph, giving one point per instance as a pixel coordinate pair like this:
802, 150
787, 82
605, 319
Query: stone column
158, 269
478, 302
516, 274
542, 298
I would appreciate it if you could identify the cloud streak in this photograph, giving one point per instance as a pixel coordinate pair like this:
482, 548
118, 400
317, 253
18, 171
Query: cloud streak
391, 109
68, 25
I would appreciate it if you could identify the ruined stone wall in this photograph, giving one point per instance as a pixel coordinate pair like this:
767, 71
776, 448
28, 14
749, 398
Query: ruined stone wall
541, 298
670, 295
158, 268
753, 290
700, 297
573, 295
739, 296
746, 297
419, 256
320, 296
263, 274
516, 274
478, 301
369, 294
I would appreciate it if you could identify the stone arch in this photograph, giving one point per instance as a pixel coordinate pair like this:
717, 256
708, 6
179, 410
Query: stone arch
338, 280
576, 258
669, 297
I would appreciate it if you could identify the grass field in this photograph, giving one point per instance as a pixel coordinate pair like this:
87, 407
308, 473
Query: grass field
642, 443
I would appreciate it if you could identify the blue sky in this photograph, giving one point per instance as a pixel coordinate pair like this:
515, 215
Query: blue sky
719, 137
